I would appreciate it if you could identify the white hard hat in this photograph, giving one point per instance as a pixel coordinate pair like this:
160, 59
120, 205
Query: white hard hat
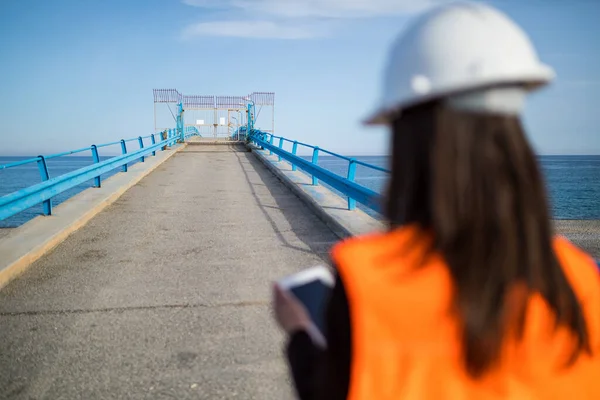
468, 52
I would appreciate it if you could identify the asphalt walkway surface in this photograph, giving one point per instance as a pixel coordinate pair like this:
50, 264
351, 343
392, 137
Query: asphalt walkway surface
165, 294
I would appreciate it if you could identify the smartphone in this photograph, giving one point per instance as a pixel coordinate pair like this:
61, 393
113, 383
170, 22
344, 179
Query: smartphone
312, 287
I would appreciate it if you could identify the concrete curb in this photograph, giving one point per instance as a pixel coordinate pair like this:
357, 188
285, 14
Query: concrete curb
27, 243
329, 207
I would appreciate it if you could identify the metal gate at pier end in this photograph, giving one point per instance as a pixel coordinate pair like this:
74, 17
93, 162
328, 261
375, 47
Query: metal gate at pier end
218, 117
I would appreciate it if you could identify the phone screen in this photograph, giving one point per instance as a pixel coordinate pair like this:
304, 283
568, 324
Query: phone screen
312, 287
314, 296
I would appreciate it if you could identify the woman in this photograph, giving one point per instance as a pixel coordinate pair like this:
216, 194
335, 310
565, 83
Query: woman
469, 295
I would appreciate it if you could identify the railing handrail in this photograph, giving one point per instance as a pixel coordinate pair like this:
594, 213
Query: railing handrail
81, 150
347, 186
331, 153
44, 191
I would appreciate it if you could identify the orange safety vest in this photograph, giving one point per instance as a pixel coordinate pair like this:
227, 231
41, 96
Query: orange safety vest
406, 344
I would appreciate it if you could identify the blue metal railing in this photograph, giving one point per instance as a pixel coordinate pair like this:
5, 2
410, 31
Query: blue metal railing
44, 191
346, 185
239, 134
191, 131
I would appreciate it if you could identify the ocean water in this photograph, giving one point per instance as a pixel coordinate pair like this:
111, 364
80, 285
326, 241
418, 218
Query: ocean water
15, 178
573, 182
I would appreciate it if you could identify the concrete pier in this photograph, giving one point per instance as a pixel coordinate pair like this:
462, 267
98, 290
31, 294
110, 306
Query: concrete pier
165, 293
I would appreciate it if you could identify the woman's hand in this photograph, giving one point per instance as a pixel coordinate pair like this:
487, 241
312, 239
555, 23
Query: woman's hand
290, 314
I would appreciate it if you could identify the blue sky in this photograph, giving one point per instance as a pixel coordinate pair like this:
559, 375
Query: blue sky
77, 72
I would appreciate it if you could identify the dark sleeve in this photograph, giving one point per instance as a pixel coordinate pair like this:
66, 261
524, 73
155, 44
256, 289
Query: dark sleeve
324, 374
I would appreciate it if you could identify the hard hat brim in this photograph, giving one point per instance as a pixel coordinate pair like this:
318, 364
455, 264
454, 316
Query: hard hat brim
536, 79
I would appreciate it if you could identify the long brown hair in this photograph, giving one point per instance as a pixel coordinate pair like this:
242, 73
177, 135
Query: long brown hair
473, 181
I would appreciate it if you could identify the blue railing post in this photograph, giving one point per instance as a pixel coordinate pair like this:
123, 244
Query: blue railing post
123, 151
315, 160
180, 122
271, 142
43, 167
280, 145
96, 159
141, 141
351, 175
153, 142
294, 151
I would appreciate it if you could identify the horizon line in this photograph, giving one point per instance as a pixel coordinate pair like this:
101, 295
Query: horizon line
300, 155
